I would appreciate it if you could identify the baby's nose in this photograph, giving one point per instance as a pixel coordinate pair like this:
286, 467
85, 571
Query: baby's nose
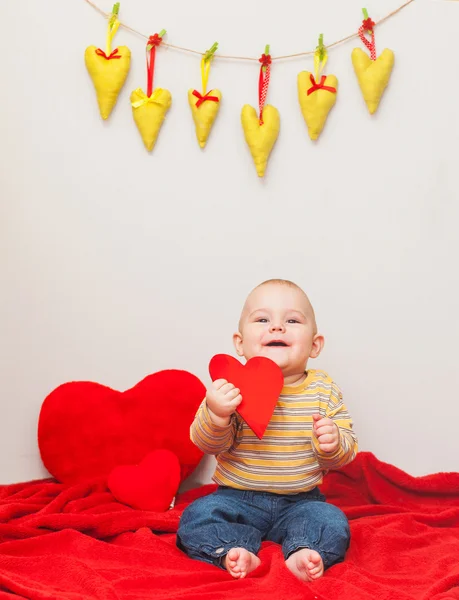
277, 327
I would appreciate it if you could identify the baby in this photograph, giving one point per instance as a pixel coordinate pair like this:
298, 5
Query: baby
268, 488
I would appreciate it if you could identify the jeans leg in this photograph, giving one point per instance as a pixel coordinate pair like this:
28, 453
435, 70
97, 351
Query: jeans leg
214, 524
313, 524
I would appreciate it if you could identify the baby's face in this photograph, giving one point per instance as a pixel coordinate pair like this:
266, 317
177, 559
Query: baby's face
278, 322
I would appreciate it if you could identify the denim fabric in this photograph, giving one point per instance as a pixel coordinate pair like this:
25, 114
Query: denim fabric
231, 518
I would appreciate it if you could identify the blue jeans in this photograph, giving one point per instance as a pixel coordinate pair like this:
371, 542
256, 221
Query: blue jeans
231, 518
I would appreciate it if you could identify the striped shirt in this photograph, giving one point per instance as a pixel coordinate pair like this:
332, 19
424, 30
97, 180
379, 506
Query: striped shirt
287, 460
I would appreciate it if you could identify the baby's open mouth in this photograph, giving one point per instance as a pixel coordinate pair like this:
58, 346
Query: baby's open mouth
282, 344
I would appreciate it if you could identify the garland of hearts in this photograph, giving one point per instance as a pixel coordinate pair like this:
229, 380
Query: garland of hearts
317, 93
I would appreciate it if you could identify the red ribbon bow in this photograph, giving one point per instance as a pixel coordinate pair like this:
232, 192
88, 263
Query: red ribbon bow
202, 98
154, 40
265, 60
114, 54
368, 24
320, 85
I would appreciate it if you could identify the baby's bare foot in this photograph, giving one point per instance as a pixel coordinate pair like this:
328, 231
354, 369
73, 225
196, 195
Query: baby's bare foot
306, 564
240, 562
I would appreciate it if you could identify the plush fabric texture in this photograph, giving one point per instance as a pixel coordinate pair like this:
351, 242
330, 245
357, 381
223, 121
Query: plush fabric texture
316, 105
108, 76
149, 113
260, 138
373, 76
86, 429
70, 542
204, 114
260, 381
150, 485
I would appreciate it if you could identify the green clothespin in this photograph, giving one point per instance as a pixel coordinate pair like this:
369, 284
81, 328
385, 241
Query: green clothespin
266, 54
321, 48
114, 15
209, 54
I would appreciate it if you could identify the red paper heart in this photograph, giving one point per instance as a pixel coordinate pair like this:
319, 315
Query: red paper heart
151, 485
260, 381
86, 429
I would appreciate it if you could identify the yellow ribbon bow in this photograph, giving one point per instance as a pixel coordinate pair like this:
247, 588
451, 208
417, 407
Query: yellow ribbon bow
144, 99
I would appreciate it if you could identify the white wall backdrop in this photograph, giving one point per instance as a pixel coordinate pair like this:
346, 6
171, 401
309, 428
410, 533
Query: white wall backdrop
116, 263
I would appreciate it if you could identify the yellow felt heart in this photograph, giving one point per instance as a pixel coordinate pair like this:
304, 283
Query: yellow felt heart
316, 106
260, 138
205, 114
373, 75
108, 75
149, 113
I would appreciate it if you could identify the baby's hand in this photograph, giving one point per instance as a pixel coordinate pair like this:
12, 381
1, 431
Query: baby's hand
327, 433
222, 399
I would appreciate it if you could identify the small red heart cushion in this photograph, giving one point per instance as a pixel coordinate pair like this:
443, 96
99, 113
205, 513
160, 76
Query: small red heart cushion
151, 485
86, 429
260, 381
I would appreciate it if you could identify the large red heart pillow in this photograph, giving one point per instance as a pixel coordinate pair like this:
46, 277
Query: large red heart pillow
260, 381
151, 485
86, 429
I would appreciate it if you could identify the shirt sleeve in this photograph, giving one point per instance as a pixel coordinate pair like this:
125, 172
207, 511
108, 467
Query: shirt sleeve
348, 443
209, 437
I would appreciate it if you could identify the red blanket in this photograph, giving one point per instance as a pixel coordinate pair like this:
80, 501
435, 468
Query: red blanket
70, 543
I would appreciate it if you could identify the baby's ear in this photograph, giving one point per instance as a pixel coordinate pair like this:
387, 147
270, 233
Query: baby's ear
317, 345
237, 341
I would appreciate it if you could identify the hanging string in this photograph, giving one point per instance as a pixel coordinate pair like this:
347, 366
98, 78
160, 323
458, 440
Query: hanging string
320, 57
205, 70
320, 60
230, 57
112, 28
153, 42
368, 26
205, 66
263, 81
152, 96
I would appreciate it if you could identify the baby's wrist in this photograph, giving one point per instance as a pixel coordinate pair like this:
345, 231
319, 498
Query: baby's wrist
218, 420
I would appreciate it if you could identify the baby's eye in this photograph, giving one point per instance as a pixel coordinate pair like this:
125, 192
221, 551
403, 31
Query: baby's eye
292, 321
262, 320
